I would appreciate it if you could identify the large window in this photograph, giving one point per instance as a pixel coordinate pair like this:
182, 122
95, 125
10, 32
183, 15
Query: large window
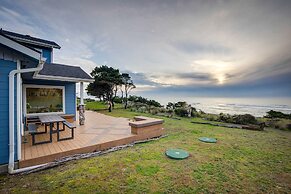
44, 99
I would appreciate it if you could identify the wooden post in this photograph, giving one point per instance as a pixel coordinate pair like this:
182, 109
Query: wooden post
81, 93
81, 106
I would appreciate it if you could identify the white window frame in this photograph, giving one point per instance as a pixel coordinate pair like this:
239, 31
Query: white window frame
25, 86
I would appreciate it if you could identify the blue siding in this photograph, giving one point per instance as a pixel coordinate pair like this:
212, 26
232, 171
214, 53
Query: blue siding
47, 53
70, 97
70, 92
5, 68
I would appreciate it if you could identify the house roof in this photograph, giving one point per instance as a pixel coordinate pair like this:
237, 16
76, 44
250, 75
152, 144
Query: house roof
11, 43
30, 39
53, 71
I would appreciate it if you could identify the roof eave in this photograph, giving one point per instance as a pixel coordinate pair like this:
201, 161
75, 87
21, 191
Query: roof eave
35, 42
59, 78
7, 41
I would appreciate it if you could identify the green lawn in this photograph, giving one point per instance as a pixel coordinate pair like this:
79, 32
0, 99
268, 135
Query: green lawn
241, 162
100, 106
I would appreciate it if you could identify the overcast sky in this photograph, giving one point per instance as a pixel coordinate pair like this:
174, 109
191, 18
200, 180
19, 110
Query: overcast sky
201, 48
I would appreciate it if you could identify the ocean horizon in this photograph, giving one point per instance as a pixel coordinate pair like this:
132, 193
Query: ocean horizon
255, 106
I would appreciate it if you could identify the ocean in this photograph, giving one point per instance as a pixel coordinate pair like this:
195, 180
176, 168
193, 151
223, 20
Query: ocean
255, 106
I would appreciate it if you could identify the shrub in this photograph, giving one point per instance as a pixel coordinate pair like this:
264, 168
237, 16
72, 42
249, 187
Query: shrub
162, 110
142, 109
237, 119
182, 112
277, 114
244, 119
89, 100
154, 110
201, 114
118, 99
225, 118
211, 118
194, 112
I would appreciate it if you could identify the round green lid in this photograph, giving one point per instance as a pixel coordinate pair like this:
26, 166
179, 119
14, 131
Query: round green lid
208, 139
177, 154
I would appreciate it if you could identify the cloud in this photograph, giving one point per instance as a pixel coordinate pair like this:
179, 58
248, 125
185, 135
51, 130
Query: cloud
11, 19
172, 44
140, 78
180, 79
151, 81
85, 64
198, 48
274, 86
10, 12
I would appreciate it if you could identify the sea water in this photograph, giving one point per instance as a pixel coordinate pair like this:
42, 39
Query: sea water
255, 106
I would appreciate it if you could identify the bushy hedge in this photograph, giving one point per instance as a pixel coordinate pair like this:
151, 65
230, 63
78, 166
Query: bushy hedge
181, 112
277, 114
238, 119
244, 119
118, 99
227, 118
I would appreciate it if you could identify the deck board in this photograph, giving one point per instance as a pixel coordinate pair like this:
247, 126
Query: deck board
99, 132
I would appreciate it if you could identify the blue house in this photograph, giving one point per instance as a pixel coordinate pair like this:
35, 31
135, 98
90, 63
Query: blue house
32, 84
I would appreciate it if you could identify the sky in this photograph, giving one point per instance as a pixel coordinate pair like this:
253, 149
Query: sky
213, 48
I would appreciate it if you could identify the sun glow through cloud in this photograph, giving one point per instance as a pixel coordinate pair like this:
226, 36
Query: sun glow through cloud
217, 68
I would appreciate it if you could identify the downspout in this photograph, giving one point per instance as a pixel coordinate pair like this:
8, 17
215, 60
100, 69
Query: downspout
21, 108
11, 110
18, 108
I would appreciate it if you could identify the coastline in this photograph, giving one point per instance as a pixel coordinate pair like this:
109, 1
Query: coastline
216, 105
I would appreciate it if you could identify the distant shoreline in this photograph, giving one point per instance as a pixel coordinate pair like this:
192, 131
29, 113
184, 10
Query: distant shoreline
254, 106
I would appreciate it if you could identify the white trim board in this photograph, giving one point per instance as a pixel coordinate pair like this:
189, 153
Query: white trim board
25, 86
33, 42
16, 46
59, 78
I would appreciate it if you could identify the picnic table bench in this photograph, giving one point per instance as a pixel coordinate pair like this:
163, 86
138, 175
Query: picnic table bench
50, 120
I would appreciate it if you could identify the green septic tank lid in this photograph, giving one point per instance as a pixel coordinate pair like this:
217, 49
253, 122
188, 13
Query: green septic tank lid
208, 139
177, 154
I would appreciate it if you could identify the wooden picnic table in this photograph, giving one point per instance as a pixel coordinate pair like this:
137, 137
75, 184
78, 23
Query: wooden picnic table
51, 120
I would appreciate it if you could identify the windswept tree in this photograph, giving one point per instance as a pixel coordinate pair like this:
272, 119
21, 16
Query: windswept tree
107, 80
180, 104
140, 99
128, 86
170, 105
98, 90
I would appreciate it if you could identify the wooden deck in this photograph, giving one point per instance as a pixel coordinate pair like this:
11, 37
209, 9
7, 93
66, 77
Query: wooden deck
100, 132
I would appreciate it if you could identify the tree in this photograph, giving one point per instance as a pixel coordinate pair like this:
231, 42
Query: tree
128, 85
98, 90
139, 99
107, 79
180, 104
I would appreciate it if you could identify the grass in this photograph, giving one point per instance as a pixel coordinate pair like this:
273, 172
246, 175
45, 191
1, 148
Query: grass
241, 162
97, 106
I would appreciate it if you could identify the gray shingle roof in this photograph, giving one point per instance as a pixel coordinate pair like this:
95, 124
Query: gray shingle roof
60, 70
29, 39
